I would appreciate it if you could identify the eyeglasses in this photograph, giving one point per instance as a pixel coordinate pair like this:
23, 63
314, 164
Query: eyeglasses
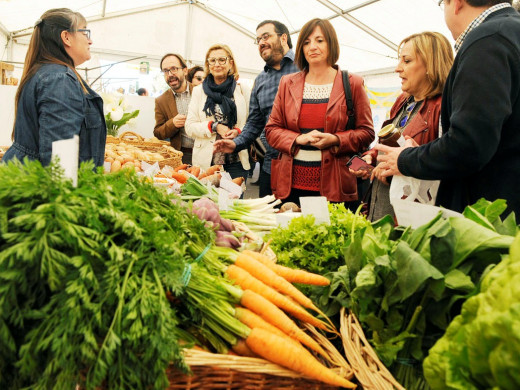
171, 70
409, 109
264, 37
85, 32
200, 78
221, 60
441, 4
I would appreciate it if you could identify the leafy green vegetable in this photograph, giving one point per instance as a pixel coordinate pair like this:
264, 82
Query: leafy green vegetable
404, 285
481, 347
83, 276
316, 248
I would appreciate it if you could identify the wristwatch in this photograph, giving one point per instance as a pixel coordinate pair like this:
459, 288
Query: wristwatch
214, 127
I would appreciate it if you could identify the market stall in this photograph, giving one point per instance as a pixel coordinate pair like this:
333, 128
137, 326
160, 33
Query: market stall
125, 282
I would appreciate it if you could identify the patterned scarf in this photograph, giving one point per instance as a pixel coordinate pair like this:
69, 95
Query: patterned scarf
222, 95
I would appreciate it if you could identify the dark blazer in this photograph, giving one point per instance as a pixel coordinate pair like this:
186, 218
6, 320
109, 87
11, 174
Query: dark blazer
337, 183
478, 155
165, 110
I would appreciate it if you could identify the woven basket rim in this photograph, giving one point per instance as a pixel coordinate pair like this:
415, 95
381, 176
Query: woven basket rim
372, 374
195, 357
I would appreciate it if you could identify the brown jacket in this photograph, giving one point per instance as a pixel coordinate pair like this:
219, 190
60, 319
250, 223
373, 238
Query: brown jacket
423, 127
337, 183
165, 110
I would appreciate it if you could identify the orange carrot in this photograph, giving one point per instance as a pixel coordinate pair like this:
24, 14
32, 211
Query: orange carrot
248, 282
270, 313
195, 171
252, 320
269, 277
213, 169
273, 348
238, 180
181, 167
289, 274
181, 178
241, 348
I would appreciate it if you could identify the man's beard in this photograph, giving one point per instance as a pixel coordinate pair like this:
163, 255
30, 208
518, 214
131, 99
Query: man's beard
178, 84
276, 54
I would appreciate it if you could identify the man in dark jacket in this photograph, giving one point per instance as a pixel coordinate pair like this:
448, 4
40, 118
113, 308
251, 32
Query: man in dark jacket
478, 155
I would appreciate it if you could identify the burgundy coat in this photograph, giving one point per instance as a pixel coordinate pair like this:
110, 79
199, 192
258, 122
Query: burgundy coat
337, 183
423, 127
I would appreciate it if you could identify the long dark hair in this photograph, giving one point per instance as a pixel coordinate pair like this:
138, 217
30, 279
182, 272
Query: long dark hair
46, 46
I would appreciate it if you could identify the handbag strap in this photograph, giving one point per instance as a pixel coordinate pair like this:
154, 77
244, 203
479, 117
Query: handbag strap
367, 192
351, 123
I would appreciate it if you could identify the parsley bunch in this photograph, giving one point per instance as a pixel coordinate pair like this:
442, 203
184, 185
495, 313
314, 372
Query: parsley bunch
83, 276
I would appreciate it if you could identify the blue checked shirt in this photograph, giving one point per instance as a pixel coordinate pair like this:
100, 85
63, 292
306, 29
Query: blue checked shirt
477, 22
260, 105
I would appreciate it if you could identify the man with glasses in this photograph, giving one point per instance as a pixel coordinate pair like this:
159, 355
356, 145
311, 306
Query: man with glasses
171, 107
275, 48
478, 155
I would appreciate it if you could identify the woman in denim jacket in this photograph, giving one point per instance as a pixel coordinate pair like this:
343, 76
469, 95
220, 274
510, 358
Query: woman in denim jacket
53, 102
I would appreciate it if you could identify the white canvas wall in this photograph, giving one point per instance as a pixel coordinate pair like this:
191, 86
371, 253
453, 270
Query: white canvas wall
7, 93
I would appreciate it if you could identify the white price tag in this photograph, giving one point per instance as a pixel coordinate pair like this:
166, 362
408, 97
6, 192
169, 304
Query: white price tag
228, 185
223, 200
67, 150
401, 141
317, 206
106, 166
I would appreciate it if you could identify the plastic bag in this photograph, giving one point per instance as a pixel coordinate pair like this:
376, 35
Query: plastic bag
414, 190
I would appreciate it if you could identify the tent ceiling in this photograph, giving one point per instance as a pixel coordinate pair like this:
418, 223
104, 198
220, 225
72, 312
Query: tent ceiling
368, 30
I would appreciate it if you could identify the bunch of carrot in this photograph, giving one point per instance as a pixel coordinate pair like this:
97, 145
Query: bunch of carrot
251, 312
183, 172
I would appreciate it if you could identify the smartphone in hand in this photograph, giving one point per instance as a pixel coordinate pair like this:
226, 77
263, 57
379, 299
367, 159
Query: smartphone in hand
356, 163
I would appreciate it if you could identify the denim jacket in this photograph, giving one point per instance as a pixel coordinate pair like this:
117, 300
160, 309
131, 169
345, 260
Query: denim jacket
53, 107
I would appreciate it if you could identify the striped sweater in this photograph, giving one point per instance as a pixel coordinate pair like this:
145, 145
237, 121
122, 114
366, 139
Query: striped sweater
307, 162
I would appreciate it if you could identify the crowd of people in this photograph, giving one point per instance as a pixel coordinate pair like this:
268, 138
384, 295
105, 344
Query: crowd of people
458, 116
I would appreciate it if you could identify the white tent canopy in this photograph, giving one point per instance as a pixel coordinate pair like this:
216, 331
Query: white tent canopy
368, 30
137, 31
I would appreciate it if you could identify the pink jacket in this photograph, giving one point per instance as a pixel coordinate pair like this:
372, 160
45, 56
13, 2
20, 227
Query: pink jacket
337, 183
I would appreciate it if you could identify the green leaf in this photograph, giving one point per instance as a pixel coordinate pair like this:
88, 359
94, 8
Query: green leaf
457, 280
472, 237
412, 270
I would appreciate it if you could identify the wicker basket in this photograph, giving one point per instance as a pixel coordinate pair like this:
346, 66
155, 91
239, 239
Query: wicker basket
368, 369
131, 138
172, 159
227, 372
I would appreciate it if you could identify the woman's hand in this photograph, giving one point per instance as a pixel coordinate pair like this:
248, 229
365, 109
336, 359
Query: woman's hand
377, 173
324, 140
363, 173
222, 130
305, 139
232, 133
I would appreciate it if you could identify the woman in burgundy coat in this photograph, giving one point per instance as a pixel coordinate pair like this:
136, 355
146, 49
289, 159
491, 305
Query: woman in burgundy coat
425, 60
309, 119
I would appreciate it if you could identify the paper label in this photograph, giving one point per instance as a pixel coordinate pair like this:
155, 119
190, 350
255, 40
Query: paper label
401, 141
106, 166
223, 200
67, 152
317, 206
228, 185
